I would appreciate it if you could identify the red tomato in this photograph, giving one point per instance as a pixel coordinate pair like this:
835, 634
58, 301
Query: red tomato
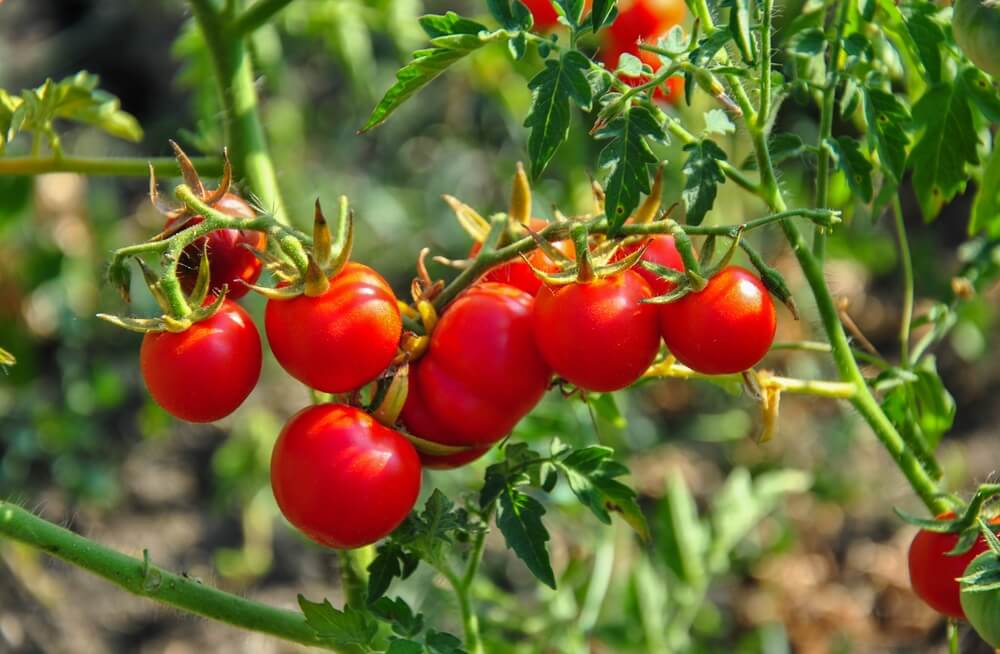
672, 91
519, 274
229, 262
341, 340
933, 574
660, 249
725, 328
545, 15
205, 372
598, 335
481, 374
645, 19
341, 477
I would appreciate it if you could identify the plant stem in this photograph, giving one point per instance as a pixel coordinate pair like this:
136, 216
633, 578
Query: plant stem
470, 622
257, 15
235, 80
142, 578
354, 574
124, 166
906, 262
820, 388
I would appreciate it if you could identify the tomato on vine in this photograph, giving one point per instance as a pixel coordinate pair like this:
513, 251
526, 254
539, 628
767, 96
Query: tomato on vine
727, 327
205, 372
481, 374
518, 273
598, 334
661, 250
340, 340
645, 19
342, 478
672, 90
544, 14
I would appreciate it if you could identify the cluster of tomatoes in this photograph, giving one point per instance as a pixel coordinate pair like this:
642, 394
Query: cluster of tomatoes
638, 21
346, 480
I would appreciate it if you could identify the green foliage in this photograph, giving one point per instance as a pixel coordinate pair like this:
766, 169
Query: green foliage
558, 85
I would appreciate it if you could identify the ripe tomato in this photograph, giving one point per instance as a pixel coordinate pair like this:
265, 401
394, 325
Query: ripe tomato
205, 372
341, 477
341, 340
598, 335
725, 328
481, 374
982, 608
519, 274
660, 249
645, 19
546, 18
933, 575
229, 262
672, 91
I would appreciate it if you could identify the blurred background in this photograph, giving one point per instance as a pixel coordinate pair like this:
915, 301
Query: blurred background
806, 554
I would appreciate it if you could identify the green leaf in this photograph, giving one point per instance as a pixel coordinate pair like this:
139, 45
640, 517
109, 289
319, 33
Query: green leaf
855, 165
887, 121
982, 92
560, 82
400, 616
921, 408
439, 642
704, 174
625, 160
927, 37
717, 122
403, 646
602, 13
520, 521
809, 42
348, 627
383, 569
683, 541
571, 9
945, 148
454, 38
739, 28
591, 474
783, 146
511, 14
606, 408
985, 214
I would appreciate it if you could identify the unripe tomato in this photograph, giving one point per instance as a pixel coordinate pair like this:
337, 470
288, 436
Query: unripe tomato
982, 608
976, 25
645, 19
519, 274
598, 335
546, 18
340, 340
725, 328
671, 91
661, 250
229, 261
481, 374
342, 478
933, 574
205, 372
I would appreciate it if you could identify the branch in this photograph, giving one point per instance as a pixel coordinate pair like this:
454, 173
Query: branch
142, 578
820, 388
257, 15
125, 167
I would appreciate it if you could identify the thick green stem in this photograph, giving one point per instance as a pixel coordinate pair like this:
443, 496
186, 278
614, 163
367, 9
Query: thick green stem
122, 167
354, 574
906, 263
470, 622
257, 15
142, 578
244, 132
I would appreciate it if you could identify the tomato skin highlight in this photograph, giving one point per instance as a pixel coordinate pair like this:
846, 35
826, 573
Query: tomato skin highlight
661, 250
598, 335
341, 340
205, 372
933, 574
982, 608
229, 262
481, 374
646, 19
518, 273
342, 478
725, 328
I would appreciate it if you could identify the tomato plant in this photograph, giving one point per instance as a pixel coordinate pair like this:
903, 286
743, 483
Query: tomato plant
982, 607
340, 340
341, 477
520, 274
203, 373
727, 327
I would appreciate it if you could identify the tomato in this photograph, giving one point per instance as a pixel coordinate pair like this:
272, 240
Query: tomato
598, 335
982, 608
342, 478
340, 340
671, 91
660, 249
205, 372
481, 374
725, 328
229, 261
546, 18
645, 19
976, 25
519, 274
933, 575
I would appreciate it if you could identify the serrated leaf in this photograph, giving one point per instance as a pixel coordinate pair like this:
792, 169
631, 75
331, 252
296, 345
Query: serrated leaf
887, 121
383, 569
922, 410
703, 176
809, 42
783, 146
625, 161
591, 474
717, 122
946, 147
520, 521
982, 92
348, 627
985, 214
454, 38
511, 14
439, 642
927, 37
561, 82
629, 65
708, 47
399, 615
855, 165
